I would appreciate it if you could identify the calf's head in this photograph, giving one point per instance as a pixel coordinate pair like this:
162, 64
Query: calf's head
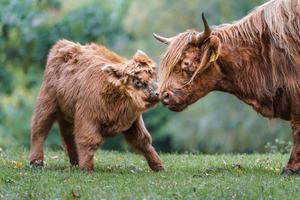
188, 68
137, 80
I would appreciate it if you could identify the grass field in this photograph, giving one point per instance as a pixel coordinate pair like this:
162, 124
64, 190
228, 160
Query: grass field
127, 176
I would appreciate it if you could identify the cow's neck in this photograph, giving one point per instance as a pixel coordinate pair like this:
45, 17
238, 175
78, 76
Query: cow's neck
245, 76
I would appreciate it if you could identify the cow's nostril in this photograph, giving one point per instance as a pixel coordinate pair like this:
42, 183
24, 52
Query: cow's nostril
165, 97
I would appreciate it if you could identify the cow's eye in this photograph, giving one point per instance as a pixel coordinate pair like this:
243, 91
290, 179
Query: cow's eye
137, 83
177, 69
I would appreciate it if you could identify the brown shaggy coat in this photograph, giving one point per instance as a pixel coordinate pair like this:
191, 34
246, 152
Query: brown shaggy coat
93, 93
257, 59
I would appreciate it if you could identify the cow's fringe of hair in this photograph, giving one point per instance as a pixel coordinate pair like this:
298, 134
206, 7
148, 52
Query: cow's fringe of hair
173, 53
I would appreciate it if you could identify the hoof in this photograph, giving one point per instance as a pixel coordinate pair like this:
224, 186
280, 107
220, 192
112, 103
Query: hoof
87, 169
37, 163
289, 172
157, 168
74, 162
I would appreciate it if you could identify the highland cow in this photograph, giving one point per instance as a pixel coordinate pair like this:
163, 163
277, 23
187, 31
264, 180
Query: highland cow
94, 93
257, 59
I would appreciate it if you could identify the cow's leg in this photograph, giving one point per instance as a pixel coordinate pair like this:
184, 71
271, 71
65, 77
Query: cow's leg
88, 140
140, 139
293, 165
42, 120
68, 140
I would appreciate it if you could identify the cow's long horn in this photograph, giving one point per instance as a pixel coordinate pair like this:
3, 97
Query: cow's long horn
207, 31
162, 39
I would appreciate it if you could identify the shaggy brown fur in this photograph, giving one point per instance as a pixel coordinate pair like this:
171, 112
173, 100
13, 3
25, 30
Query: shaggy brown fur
256, 59
93, 93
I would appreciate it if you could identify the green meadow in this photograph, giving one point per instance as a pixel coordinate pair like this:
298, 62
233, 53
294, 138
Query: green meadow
127, 176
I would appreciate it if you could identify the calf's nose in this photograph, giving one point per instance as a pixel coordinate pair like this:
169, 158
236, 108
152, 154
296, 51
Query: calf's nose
155, 97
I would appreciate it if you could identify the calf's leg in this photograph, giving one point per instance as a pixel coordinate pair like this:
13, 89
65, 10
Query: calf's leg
68, 140
140, 139
42, 120
88, 140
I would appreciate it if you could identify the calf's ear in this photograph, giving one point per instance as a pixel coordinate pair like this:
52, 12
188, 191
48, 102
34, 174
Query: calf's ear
115, 74
140, 56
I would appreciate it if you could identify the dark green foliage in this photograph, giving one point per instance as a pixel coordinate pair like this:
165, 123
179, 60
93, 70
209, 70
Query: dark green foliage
5, 80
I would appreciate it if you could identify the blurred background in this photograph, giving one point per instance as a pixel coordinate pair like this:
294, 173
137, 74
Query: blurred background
28, 28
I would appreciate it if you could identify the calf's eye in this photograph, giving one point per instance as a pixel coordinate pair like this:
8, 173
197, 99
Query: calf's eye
138, 83
177, 69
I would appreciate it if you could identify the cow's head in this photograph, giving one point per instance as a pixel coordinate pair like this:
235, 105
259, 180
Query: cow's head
137, 79
188, 68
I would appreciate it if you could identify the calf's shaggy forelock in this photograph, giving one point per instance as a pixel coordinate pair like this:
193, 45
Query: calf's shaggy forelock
257, 59
94, 93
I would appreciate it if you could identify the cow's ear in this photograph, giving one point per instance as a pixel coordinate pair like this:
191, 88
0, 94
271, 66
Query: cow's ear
215, 49
210, 54
115, 74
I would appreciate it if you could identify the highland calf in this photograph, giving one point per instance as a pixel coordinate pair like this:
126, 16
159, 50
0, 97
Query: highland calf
93, 93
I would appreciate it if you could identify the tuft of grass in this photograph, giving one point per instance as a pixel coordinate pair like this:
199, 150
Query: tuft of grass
127, 176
